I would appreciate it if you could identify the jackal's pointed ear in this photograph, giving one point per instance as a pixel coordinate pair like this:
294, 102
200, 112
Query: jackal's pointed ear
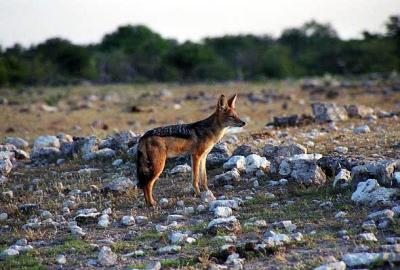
232, 101
222, 103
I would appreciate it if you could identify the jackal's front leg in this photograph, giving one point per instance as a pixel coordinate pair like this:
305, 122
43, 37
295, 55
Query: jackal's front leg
195, 173
203, 172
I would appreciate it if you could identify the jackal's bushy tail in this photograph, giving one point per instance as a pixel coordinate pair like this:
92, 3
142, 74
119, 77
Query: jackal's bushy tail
144, 173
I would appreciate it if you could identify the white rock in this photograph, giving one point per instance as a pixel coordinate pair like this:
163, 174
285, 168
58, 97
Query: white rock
128, 220
340, 214
235, 162
342, 178
169, 249
9, 252
46, 141
222, 211
3, 216
361, 259
172, 218
104, 221
369, 237
106, 257
230, 224
341, 149
181, 169
61, 259
371, 193
177, 237
207, 196
163, 202
141, 220
227, 178
332, 266
136, 253
255, 162
361, 129
396, 176
228, 203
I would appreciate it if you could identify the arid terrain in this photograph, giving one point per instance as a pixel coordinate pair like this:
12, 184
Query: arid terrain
310, 180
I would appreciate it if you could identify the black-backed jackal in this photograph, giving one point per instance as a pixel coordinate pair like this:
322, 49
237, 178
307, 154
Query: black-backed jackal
196, 139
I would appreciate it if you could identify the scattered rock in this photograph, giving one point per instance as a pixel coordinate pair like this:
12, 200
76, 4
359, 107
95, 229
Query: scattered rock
119, 185
169, 250
361, 129
228, 203
235, 162
368, 237
128, 220
303, 169
181, 169
327, 112
254, 163
382, 171
222, 212
332, 266
371, 193
227, 178
359, 111
229, 224
61, 259
106, 257
18, 142
207, 196
342, 179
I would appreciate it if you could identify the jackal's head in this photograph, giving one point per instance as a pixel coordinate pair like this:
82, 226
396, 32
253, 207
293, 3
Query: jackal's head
226, 112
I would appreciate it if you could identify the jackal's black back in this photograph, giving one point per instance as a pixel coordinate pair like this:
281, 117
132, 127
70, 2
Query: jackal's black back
179, 131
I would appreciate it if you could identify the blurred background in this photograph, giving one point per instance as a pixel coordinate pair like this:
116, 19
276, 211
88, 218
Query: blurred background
54, 42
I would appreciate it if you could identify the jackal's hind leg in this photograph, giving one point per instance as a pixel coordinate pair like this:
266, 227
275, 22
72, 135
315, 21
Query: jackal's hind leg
157, 157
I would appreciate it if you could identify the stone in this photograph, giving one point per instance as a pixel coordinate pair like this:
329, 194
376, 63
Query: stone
61, 259
383, 214
371, 193
235, 162
218, 155
119, 185
222, 212
104, 221
3, 216
136, 253
117, 162
140, 220
332, 266
396, 176
5, 166
274, 240
369, 225
361, 129
254, 163
128, 220
341, 149
207, 196
164, 202
9, 252
368, 237
342, 179
228, 203
172, 218
361, 259
17, 142
227, 178
177, 237
244, 150
285, 224
181, 169
153, 266
340, 214
76, 230
86, 218
303, 169
359, 111
286, 150
46, 141
234, 262
382, 171
169, 249
21, 154
106, 257
45, 153
328, 112
229, 224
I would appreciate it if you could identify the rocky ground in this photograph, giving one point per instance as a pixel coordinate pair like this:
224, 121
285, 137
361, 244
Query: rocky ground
311, 182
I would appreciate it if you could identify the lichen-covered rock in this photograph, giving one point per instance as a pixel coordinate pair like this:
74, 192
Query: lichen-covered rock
327, 112
5, 166
18, 142
272, 151
255, 162
382, 171
106, 257
46, 141
227, 178
235, 162
303, 169
120, 185
342, 179
229, 224
371, 193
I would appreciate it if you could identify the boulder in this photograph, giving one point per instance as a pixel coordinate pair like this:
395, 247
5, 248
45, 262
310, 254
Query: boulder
245, 150
382, 171
286, 150
46, 141
218, 155
45, 153
303, 169
371, 193
365, 259
18, 142
227, 178
328, 112
254, 163
106, 257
